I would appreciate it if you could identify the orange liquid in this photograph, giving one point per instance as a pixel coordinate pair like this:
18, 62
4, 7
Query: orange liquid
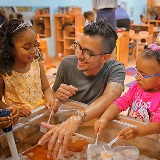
40, 152
106, 156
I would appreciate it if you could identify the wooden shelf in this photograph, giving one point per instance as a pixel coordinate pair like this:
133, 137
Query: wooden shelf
155, 23
63, 38
43, 20
122, 48
60, 40
70, 38
142, 27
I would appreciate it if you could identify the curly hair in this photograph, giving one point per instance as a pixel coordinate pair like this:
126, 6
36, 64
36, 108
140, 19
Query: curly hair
150, 53
103, 29
8, 32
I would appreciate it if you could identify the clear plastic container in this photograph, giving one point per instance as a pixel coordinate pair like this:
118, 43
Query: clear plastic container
125, 153
99, 152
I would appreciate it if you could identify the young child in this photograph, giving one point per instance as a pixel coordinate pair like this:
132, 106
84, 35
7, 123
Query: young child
142, 99
23, 82
89, 17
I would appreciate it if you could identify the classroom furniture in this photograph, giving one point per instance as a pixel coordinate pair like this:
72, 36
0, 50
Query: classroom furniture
155, 23
140, 39
44, 50
156, 31
122, 48
142, 27
44, 19
63, 38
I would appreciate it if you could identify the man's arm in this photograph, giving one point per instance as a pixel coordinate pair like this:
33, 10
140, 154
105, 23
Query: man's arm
65, 130
111, 93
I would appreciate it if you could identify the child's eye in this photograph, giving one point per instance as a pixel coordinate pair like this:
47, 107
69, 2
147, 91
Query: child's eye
27, 48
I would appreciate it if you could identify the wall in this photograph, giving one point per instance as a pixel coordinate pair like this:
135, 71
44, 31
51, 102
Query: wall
138, 5
85, 4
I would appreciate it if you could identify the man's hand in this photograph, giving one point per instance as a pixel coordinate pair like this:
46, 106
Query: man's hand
59, 135
64, 92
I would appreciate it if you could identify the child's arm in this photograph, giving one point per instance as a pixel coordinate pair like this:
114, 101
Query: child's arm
48, 94
13, 118
141, 130
111, 112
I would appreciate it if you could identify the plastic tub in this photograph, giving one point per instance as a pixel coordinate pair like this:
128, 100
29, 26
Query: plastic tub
125, 153
99, 152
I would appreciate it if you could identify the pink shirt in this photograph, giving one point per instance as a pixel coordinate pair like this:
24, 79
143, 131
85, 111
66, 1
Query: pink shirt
142, 105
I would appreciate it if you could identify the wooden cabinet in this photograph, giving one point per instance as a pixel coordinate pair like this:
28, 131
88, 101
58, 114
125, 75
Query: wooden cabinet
42, 25
122, 48
155, 23
142, 27
64, 38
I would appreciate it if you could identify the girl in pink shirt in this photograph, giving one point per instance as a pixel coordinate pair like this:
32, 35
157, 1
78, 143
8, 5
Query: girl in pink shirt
142, 99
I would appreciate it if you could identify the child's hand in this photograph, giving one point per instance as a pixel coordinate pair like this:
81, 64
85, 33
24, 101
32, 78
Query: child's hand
5, 122
99, 125
24, 111
15, 115
128, 133
53, 104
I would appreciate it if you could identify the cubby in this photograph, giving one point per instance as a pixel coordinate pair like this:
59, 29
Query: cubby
64, 39
142, 27
47, 26
155, 23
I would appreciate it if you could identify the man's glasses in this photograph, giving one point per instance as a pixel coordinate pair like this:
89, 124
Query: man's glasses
87, 54
144, 77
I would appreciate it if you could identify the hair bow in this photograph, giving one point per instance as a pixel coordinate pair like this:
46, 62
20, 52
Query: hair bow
154, 47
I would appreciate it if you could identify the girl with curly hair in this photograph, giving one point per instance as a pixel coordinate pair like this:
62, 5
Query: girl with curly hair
23, 82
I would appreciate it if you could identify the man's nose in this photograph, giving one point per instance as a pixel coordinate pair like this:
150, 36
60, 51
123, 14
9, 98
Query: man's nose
80, 54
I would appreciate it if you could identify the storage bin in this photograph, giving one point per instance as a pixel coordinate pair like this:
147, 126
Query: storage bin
125, 153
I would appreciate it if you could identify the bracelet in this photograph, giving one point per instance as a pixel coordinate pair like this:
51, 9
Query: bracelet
83, 115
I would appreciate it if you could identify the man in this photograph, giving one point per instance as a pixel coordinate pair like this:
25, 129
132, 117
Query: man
122, 18
90, 77
105, 9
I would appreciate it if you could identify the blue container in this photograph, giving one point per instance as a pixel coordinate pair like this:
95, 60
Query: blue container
5, 113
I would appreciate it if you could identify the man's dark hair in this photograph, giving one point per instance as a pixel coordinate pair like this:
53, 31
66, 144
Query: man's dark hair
103, 29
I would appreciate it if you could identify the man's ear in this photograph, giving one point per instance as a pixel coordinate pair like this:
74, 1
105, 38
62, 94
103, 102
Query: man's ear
106, 57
